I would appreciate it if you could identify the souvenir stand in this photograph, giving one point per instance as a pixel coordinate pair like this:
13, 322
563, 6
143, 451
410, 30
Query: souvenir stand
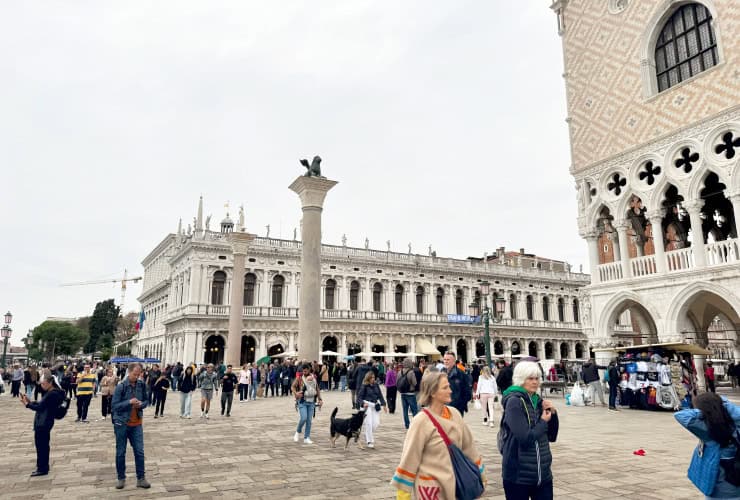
656, 376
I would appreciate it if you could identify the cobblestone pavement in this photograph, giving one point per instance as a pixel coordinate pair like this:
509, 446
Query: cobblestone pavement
252, 455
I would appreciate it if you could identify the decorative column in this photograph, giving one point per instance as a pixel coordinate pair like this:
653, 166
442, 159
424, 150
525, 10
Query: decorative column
239, 246
697, 243
624, 251
656, 222
735, 200
312, 192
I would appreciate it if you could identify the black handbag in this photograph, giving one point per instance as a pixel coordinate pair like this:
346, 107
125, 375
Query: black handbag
468, 480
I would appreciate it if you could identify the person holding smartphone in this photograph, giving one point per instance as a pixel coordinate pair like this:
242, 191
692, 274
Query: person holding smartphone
43, 422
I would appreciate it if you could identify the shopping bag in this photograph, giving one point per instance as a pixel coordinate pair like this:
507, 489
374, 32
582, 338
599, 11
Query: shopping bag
476, 404
576, 395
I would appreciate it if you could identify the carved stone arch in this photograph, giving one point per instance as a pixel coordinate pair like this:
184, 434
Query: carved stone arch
593, 216
700, 302
277, 338
624, 204
673, 153
715, 137
697, 182
734, 183
646, 314
653, 27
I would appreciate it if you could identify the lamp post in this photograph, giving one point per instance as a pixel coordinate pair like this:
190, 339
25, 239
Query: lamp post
499, 304
6, 332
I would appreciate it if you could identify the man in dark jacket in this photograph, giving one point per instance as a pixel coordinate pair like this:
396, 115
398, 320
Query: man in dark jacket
503, 379
129, 400
590, 374
43, 422
460, 384
613, 384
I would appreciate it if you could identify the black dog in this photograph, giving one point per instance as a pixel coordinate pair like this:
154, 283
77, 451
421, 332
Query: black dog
347, 427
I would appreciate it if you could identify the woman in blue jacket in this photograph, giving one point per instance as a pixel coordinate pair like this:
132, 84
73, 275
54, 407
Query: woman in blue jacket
714, 420
528, 427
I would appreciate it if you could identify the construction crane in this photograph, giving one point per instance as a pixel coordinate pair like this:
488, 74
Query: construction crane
122, 281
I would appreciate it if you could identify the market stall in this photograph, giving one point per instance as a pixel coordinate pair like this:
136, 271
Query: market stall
656, 376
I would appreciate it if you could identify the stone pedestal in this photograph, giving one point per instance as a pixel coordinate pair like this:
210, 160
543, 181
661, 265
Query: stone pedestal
239, 246
312, 191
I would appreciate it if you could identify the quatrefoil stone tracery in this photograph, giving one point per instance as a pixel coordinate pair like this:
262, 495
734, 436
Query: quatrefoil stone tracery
649, 173
687, 160
728, 145
617, 183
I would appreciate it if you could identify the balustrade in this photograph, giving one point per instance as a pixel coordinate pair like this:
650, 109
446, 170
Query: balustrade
610, 271
722, 252
643, 266
680, 260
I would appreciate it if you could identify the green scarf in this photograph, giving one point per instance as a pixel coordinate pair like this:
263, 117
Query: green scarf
517, 388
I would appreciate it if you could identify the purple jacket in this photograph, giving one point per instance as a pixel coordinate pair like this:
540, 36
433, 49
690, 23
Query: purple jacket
390, 378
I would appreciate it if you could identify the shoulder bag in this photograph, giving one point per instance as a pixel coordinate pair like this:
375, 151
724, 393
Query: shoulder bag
704, 466
468, 481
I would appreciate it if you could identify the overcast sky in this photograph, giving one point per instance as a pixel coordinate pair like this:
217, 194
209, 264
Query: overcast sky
443, 122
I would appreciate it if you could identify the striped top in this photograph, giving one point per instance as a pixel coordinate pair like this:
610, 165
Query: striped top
86, 384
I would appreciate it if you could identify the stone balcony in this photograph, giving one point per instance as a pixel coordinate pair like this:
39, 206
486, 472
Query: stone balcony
717, 255
252, 312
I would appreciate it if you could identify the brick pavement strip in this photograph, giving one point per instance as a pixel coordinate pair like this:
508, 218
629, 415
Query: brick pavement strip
252, 455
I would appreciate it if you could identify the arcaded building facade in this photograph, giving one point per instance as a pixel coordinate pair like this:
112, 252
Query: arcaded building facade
653, 98
372, 301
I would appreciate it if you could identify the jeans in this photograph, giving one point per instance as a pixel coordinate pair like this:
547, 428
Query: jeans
83, 404
41, 439
186, 399
15, 388
243, 392
134, 435
161, 400
29, 390
613, 395
305, 410
252, 391
227, 398
105, 405
408, 401
173, 383
516, 491
594, 388
343, 383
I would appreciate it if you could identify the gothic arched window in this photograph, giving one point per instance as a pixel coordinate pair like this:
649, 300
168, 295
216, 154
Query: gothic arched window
377, 291
277, 291
686, 45
459, 301
354, 295
546, 308
576, 316
329, 293
399, 298
250, 281
217, 288
512, 306
419, 300
440, 300
561, 309
530, 307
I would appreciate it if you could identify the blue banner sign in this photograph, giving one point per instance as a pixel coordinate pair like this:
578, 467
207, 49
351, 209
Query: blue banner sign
461, 318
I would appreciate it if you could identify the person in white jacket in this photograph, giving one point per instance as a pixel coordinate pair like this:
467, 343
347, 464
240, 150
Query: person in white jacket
486, 392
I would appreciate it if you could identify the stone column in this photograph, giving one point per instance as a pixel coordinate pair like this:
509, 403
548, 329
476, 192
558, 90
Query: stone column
624, 252
656, 221
697, 243
239, 245
312, 192
735, 200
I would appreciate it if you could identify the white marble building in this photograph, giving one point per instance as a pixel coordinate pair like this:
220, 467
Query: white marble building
653, 95
371, 300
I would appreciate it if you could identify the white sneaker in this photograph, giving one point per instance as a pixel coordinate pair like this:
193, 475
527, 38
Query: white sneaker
296, 437
307, 441
370, 445
206, 416
202, 414
188, 417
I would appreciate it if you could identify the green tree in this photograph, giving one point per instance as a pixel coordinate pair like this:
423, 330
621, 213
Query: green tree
52, 338
126, 326
102, 326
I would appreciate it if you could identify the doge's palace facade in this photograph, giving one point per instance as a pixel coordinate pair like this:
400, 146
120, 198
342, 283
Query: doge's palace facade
372, 300
653, 95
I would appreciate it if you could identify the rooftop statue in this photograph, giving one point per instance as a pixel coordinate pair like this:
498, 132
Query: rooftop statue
314, 169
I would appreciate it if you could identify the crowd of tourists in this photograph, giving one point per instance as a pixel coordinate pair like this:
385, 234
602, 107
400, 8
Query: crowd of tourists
434, 397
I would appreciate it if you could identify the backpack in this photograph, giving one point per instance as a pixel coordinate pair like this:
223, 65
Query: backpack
61, 410
503, 430
732, 470
403, 384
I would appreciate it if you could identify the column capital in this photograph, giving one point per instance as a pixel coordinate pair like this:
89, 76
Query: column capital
592, 234
655, 215
240, 242
693, 206
312, 190
622, 225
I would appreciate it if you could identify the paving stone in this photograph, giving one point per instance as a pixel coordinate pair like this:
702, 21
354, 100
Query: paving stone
252, 455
